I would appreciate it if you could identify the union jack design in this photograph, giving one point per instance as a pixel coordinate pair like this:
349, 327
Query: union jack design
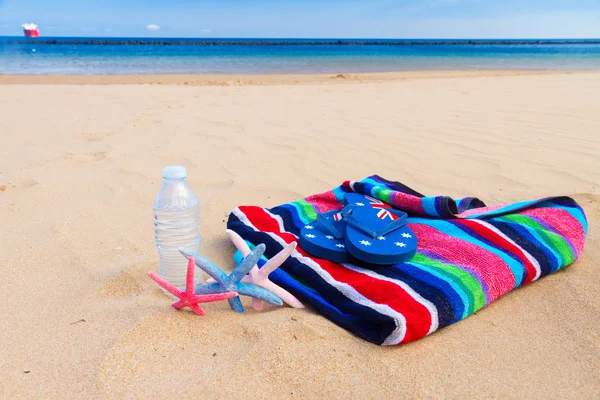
376, 203
383, 214
381, 206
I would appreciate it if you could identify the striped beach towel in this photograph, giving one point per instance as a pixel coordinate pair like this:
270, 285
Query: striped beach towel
467, 257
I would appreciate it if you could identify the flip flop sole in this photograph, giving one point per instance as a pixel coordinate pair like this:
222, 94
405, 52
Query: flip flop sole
373, 251
317, 240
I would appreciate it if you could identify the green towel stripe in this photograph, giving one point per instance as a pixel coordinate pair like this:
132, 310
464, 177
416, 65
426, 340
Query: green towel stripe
551, 239
306, 211
465, 280
382, 193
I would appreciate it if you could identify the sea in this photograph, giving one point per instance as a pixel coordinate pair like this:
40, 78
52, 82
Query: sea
129, 56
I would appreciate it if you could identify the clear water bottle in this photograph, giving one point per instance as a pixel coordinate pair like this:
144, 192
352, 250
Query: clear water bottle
176, 224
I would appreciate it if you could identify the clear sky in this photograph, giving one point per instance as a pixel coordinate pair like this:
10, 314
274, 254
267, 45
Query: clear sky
306, 18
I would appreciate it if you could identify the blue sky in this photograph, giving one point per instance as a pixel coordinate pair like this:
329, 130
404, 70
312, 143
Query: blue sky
307, 18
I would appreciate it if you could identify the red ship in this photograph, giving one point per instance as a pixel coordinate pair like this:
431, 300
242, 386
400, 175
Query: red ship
31, 30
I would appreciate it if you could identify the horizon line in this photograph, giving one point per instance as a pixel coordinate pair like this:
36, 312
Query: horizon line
50, 37
251, 38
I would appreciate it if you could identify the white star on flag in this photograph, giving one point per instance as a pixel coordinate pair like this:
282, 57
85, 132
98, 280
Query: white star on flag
341, 246
406, 235
329, 237
381, 238
365, 242
400, 244
310, 236
309, 227
359, 204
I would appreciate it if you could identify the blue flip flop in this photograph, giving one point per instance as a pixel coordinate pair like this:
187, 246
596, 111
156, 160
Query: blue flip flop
376, 233
324, 238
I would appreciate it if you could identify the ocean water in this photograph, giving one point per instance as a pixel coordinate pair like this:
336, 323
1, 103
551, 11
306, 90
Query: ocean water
111, 56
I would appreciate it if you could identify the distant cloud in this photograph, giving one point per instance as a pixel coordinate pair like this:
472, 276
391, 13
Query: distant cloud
153, 27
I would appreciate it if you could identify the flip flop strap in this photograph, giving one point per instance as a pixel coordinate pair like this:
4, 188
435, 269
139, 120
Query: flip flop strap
328, 222
375, 233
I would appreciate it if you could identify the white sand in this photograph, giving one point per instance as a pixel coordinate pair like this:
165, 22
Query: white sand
80, 166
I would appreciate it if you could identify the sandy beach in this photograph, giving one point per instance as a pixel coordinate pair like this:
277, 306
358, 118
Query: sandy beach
80, 164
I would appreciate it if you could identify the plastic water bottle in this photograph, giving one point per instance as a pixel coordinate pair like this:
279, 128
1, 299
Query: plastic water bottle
176, 224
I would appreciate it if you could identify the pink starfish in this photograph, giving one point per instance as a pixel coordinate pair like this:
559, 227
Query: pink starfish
260, 277
188, 298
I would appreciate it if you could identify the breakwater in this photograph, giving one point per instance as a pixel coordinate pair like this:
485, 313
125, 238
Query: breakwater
266, 42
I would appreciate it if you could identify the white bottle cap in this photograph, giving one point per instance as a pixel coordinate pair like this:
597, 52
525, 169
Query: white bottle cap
174, 172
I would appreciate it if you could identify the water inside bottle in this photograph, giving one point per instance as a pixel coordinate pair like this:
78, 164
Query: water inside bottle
174, 229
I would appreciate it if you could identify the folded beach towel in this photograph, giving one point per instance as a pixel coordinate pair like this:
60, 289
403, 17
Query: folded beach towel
468, 255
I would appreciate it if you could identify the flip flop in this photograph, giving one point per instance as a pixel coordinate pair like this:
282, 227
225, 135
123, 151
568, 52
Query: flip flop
375, 232
324, 238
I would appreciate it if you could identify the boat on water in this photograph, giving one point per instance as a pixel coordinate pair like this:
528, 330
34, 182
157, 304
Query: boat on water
31, 30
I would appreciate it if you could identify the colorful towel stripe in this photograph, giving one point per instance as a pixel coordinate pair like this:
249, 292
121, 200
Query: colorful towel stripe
468, 256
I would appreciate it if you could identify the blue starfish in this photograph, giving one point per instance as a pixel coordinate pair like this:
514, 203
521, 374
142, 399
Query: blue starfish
231, 283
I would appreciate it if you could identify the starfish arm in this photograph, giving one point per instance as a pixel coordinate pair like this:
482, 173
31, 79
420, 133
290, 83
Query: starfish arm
253, 273
277, 260
205, 265
252, 278
259, 293
247, 263
169, 287
189, 278
243, 247
197, 309
238, 242
257, 304
283, 294
236, 304
209, 298
210, 288
179, 305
